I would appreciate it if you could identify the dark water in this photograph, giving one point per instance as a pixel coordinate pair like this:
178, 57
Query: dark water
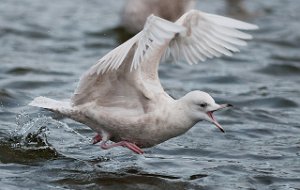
46, 45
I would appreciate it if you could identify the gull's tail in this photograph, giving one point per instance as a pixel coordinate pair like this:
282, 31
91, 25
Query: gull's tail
61, 107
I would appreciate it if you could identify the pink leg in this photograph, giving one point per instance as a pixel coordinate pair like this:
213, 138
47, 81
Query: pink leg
126, 144
97, 139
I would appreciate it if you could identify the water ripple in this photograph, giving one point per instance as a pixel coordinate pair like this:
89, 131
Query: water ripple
281, 70
34, 34
47, 45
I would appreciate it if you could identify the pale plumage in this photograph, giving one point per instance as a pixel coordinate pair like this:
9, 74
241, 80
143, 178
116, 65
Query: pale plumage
121, 97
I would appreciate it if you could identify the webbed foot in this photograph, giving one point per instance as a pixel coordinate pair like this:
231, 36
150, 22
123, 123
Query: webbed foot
133, 147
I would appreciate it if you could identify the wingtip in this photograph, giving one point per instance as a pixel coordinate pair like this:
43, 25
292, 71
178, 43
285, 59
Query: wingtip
252, 27
229, 22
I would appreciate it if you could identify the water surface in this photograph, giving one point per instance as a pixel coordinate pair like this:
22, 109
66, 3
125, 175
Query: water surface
47, 45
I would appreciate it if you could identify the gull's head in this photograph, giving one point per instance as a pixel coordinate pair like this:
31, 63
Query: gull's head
200, 106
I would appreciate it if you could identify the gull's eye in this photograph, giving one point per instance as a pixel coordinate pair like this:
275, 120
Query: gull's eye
203, 105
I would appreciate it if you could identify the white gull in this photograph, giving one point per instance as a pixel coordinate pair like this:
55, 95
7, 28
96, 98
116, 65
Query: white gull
121, 97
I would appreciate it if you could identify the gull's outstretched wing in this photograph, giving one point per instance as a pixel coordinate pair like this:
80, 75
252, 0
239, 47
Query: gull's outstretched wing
127, 76
207, 36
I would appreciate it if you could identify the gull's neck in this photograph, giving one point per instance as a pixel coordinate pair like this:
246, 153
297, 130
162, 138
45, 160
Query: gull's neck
183, 114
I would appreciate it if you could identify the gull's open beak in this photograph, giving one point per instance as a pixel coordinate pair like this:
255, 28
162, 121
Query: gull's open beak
213, 119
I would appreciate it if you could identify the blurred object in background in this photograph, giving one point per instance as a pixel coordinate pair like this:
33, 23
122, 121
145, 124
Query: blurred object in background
135, 12
236, 8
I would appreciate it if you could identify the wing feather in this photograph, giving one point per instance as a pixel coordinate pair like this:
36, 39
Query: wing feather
156, 33
208, 36
114, 59
227, 22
